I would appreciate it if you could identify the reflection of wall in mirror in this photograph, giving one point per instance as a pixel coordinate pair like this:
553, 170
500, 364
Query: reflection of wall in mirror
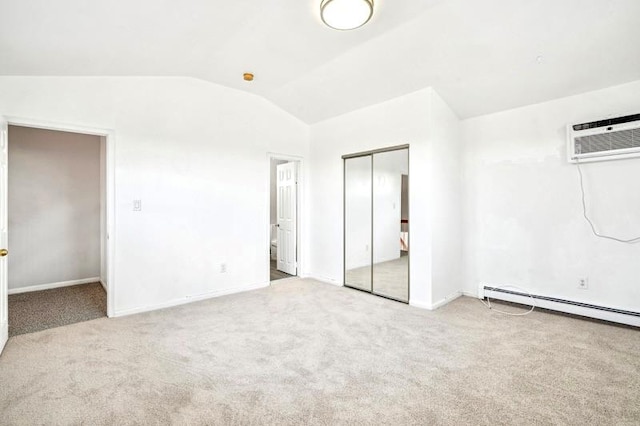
358, 212
404, 214
387, 203
404, 211
386, 217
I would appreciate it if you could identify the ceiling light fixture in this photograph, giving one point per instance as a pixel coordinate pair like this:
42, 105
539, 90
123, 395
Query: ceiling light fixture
346, 14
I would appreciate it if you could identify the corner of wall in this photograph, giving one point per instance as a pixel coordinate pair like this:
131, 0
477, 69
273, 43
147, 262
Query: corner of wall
446, 176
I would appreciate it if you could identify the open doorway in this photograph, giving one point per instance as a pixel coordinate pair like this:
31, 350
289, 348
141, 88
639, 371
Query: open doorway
57, 226
283, 217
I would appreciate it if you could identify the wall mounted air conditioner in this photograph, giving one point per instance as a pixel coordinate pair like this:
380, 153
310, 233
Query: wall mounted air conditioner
607, 139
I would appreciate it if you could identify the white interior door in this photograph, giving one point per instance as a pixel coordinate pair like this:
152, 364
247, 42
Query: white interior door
286, 207
4, 285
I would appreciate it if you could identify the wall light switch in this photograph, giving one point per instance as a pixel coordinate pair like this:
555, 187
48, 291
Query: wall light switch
137, 205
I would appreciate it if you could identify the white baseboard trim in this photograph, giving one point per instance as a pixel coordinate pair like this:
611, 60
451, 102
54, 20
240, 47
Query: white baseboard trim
104, 285
190, 299
433, 306
323, 279
470, 294
53, 285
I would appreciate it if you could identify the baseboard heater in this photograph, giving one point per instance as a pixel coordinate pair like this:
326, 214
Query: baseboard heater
569, 306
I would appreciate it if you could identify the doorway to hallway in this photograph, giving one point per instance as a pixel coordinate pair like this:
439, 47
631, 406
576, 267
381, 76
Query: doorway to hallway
56, 224
283, 218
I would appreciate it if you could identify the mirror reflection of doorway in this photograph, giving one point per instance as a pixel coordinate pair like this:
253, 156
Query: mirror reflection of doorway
376, 222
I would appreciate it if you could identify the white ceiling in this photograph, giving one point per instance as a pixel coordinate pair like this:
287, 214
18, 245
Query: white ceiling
479, 55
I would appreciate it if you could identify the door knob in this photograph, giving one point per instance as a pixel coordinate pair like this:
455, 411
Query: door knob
4, 252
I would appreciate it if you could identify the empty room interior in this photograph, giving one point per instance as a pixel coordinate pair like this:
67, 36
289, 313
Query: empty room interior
320, 212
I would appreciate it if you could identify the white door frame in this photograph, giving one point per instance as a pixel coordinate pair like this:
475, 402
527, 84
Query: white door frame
110, 183
299, 211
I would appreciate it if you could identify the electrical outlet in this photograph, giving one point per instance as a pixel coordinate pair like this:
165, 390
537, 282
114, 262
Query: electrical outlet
223, 268
583, 283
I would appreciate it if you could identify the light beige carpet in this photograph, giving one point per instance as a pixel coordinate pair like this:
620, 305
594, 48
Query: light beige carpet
41, 310
302, 352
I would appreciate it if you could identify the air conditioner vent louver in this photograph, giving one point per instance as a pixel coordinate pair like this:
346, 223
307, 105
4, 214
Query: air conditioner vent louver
608, 141
602, 140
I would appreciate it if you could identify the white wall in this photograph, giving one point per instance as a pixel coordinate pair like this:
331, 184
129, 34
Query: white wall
54, 207
412, 119
524, 223
196, 155
445, 155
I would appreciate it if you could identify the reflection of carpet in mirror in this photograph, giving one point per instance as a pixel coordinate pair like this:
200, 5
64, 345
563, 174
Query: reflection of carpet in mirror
389, 278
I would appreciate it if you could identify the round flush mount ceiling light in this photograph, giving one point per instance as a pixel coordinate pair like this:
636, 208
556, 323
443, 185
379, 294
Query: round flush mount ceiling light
346, 14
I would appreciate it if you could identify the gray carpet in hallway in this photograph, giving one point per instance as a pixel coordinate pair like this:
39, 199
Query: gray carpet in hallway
303, 352
41, 310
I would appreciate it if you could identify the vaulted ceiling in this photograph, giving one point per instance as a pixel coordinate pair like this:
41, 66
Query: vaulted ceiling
481, 56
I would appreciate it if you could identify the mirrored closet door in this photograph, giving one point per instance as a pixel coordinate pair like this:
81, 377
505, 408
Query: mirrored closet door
376, 222
357, 222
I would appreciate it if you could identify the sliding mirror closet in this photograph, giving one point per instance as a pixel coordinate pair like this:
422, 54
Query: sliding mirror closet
376, 222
